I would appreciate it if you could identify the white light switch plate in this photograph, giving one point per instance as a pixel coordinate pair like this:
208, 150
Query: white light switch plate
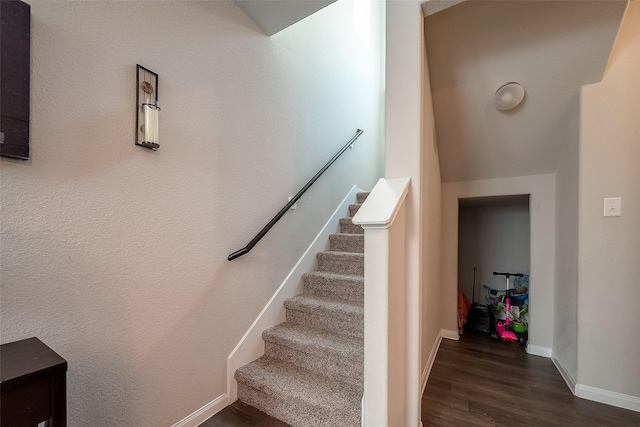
613, 206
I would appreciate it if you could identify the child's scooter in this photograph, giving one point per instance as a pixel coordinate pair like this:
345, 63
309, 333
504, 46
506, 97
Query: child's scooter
503, 330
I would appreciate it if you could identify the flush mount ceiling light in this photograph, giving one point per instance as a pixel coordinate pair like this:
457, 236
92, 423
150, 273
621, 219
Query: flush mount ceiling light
508, 96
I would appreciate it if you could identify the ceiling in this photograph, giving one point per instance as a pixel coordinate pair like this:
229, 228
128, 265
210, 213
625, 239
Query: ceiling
552, 48
276, 15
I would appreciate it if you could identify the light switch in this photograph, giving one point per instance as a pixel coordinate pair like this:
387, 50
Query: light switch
613, 206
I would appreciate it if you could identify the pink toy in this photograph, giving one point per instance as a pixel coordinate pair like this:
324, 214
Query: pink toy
504, 334
503, 331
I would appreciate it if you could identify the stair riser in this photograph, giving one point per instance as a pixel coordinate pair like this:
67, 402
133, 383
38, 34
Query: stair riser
353, 209
340, 289
346, 243
335, 367
355, 295
352, 326
341, 263
347, 226
297, 412
361, 197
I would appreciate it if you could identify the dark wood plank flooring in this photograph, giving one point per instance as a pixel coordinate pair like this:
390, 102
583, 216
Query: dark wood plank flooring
240, 415
476, 382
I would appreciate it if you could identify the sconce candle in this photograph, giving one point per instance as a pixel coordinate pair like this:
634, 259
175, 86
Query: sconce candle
150, 123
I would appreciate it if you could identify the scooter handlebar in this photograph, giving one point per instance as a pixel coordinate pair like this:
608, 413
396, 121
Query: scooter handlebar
495, 273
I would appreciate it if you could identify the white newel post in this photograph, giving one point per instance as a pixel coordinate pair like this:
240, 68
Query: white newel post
385, 338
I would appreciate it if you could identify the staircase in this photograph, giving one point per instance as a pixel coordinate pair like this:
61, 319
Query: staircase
311, 374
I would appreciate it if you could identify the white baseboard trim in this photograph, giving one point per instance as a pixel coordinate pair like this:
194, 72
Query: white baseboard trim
430, 361
204, 413
450, 335
251, 346
607, 397
538, 350
566, 376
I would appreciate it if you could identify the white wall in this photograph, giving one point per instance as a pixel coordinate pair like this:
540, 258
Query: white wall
541, 189
565, 331
492, 238
609, 248
115, 255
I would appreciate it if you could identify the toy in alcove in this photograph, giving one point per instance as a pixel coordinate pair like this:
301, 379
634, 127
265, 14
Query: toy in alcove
510, 308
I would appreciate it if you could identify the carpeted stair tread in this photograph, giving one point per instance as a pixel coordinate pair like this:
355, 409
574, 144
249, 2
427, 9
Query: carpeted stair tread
344, 242
341, 262
315, 341
347, 226
332, 285
329, 314
337, 357
333, 306
353, 209
297, 396
362, 196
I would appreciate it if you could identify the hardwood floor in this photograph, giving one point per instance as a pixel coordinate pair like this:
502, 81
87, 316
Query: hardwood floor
240, 415
476, 382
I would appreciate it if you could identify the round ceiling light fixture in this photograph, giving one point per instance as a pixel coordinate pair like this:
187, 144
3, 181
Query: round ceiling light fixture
508, 96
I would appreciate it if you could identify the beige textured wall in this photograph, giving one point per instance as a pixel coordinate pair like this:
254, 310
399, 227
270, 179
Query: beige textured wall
114, 255
431, 192
404, 139
565, 330
609, 248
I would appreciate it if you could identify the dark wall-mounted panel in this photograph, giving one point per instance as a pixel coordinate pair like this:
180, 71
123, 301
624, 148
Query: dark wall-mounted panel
15, 31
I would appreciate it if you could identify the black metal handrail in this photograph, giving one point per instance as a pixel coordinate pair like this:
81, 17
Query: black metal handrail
295, 198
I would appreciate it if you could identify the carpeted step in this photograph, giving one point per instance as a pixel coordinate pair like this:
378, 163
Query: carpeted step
341, 262
311, 374
328, 314
344, 242
297, 396
330, 285
338, 357
347, 226
353, 209
362, 196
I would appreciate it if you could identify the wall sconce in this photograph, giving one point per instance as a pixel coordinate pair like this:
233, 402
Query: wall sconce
508, 96
147, 108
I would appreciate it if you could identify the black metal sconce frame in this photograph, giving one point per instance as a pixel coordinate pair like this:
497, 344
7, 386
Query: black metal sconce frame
139, 104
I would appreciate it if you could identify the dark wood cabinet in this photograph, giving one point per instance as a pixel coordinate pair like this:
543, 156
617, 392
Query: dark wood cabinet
15, 36
33, 385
